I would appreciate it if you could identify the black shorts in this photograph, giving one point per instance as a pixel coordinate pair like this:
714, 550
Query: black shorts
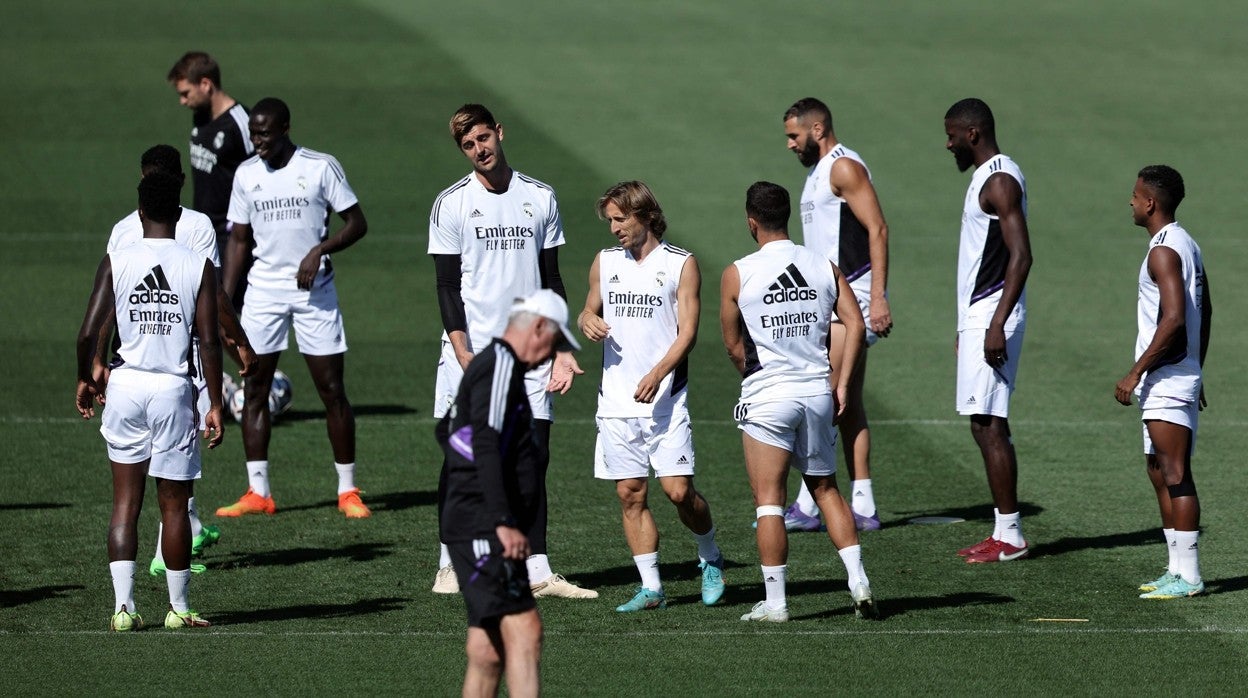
491, 585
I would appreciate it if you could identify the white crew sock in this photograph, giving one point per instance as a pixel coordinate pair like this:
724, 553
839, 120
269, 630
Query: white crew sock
539, 568
708, 549
863, 498
1011, 526
806, 501
123, 584
178, 580
1172, 551
258, 477
1189, 555
648, 566
197, 527
346, 477
160, 536
996, 523
851, 556
773, 582
444, 557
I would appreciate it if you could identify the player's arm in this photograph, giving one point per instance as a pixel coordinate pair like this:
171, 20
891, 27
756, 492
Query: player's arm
100, 310
590, 321
850, 315
1206, 320
688, 306
850, 182
1003, 197
354, 227
486, 413
1166, 269
448, 270
238, 257
565, 366
730, 317
206, 302
231, 330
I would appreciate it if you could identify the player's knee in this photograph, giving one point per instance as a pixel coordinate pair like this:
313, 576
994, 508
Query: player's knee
482, 653
680, 493
1182, 486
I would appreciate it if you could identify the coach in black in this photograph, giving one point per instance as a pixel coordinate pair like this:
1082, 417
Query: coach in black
491, 487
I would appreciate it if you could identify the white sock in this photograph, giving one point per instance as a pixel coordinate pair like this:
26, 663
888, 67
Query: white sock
863, 499
708, 549
1189, 555
996, 523
258, 477
444, 557
806, 501
1172, 551
123, 584
773, 582
539, 568
196, 526
346, 477
178, 580
851, 556
160, 536
648, 566
1011, 526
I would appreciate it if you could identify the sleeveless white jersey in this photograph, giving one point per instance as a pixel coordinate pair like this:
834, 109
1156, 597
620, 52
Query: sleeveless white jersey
288, 211
155, 284
1177, 373
982, 255
639, 303
499, 239
788, 300
193, 230
830, 228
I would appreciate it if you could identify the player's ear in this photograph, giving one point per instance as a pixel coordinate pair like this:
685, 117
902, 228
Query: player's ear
498, 128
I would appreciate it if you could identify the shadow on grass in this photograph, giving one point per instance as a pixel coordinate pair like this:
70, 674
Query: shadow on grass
1061, 546
24, 506
359, 410
21, 597
360, 552
315, 611
1226, 586
978, 512
894, 607
389, 501
627, 576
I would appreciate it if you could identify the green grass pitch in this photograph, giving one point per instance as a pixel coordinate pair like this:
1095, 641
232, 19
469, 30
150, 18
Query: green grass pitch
687, 96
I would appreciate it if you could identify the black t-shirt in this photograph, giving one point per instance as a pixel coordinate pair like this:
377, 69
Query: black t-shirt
492, 454
218, 146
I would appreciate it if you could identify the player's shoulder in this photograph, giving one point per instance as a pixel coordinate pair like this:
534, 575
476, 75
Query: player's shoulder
191, 217
675, 250
318, 159
458, 189
123, 232
535, 184
250, 165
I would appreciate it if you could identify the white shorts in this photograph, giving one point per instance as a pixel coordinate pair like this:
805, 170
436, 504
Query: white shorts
864, 304
268, 315
981, 388
152, 415
801, 425
627, 447
1176, 410
446, 386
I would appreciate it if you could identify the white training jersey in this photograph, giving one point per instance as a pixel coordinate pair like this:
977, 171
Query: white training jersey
983, 256
1177, 373
788, 300
639, 304
193, 230
830, 228
155, 285
288, 211
499, 239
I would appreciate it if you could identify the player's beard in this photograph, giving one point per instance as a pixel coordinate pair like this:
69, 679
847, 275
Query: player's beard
809, 155
963, 158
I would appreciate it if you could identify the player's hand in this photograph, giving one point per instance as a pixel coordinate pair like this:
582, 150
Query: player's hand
99, 374
994, 347
464, 357
214, 429
838, 403
881, 317
648, 388
308, 267
84, 398
515, 544
562, 372
1125, 388
247, 356
1200, 406
593, 327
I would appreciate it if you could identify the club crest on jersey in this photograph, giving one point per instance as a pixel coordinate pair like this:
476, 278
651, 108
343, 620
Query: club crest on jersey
301, 183
218, 140
528, 209
790, 286
660, 279
194, 131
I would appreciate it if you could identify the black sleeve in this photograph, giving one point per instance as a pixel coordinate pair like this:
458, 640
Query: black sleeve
450, 301
548, 265
487, 396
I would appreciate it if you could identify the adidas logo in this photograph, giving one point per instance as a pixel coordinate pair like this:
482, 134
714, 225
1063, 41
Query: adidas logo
154, 288
970, 400
790, 286
476, 213
614, 279
682, 461
770, 579
256, 188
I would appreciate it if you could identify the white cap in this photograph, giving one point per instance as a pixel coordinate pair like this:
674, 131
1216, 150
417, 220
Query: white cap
549, 305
